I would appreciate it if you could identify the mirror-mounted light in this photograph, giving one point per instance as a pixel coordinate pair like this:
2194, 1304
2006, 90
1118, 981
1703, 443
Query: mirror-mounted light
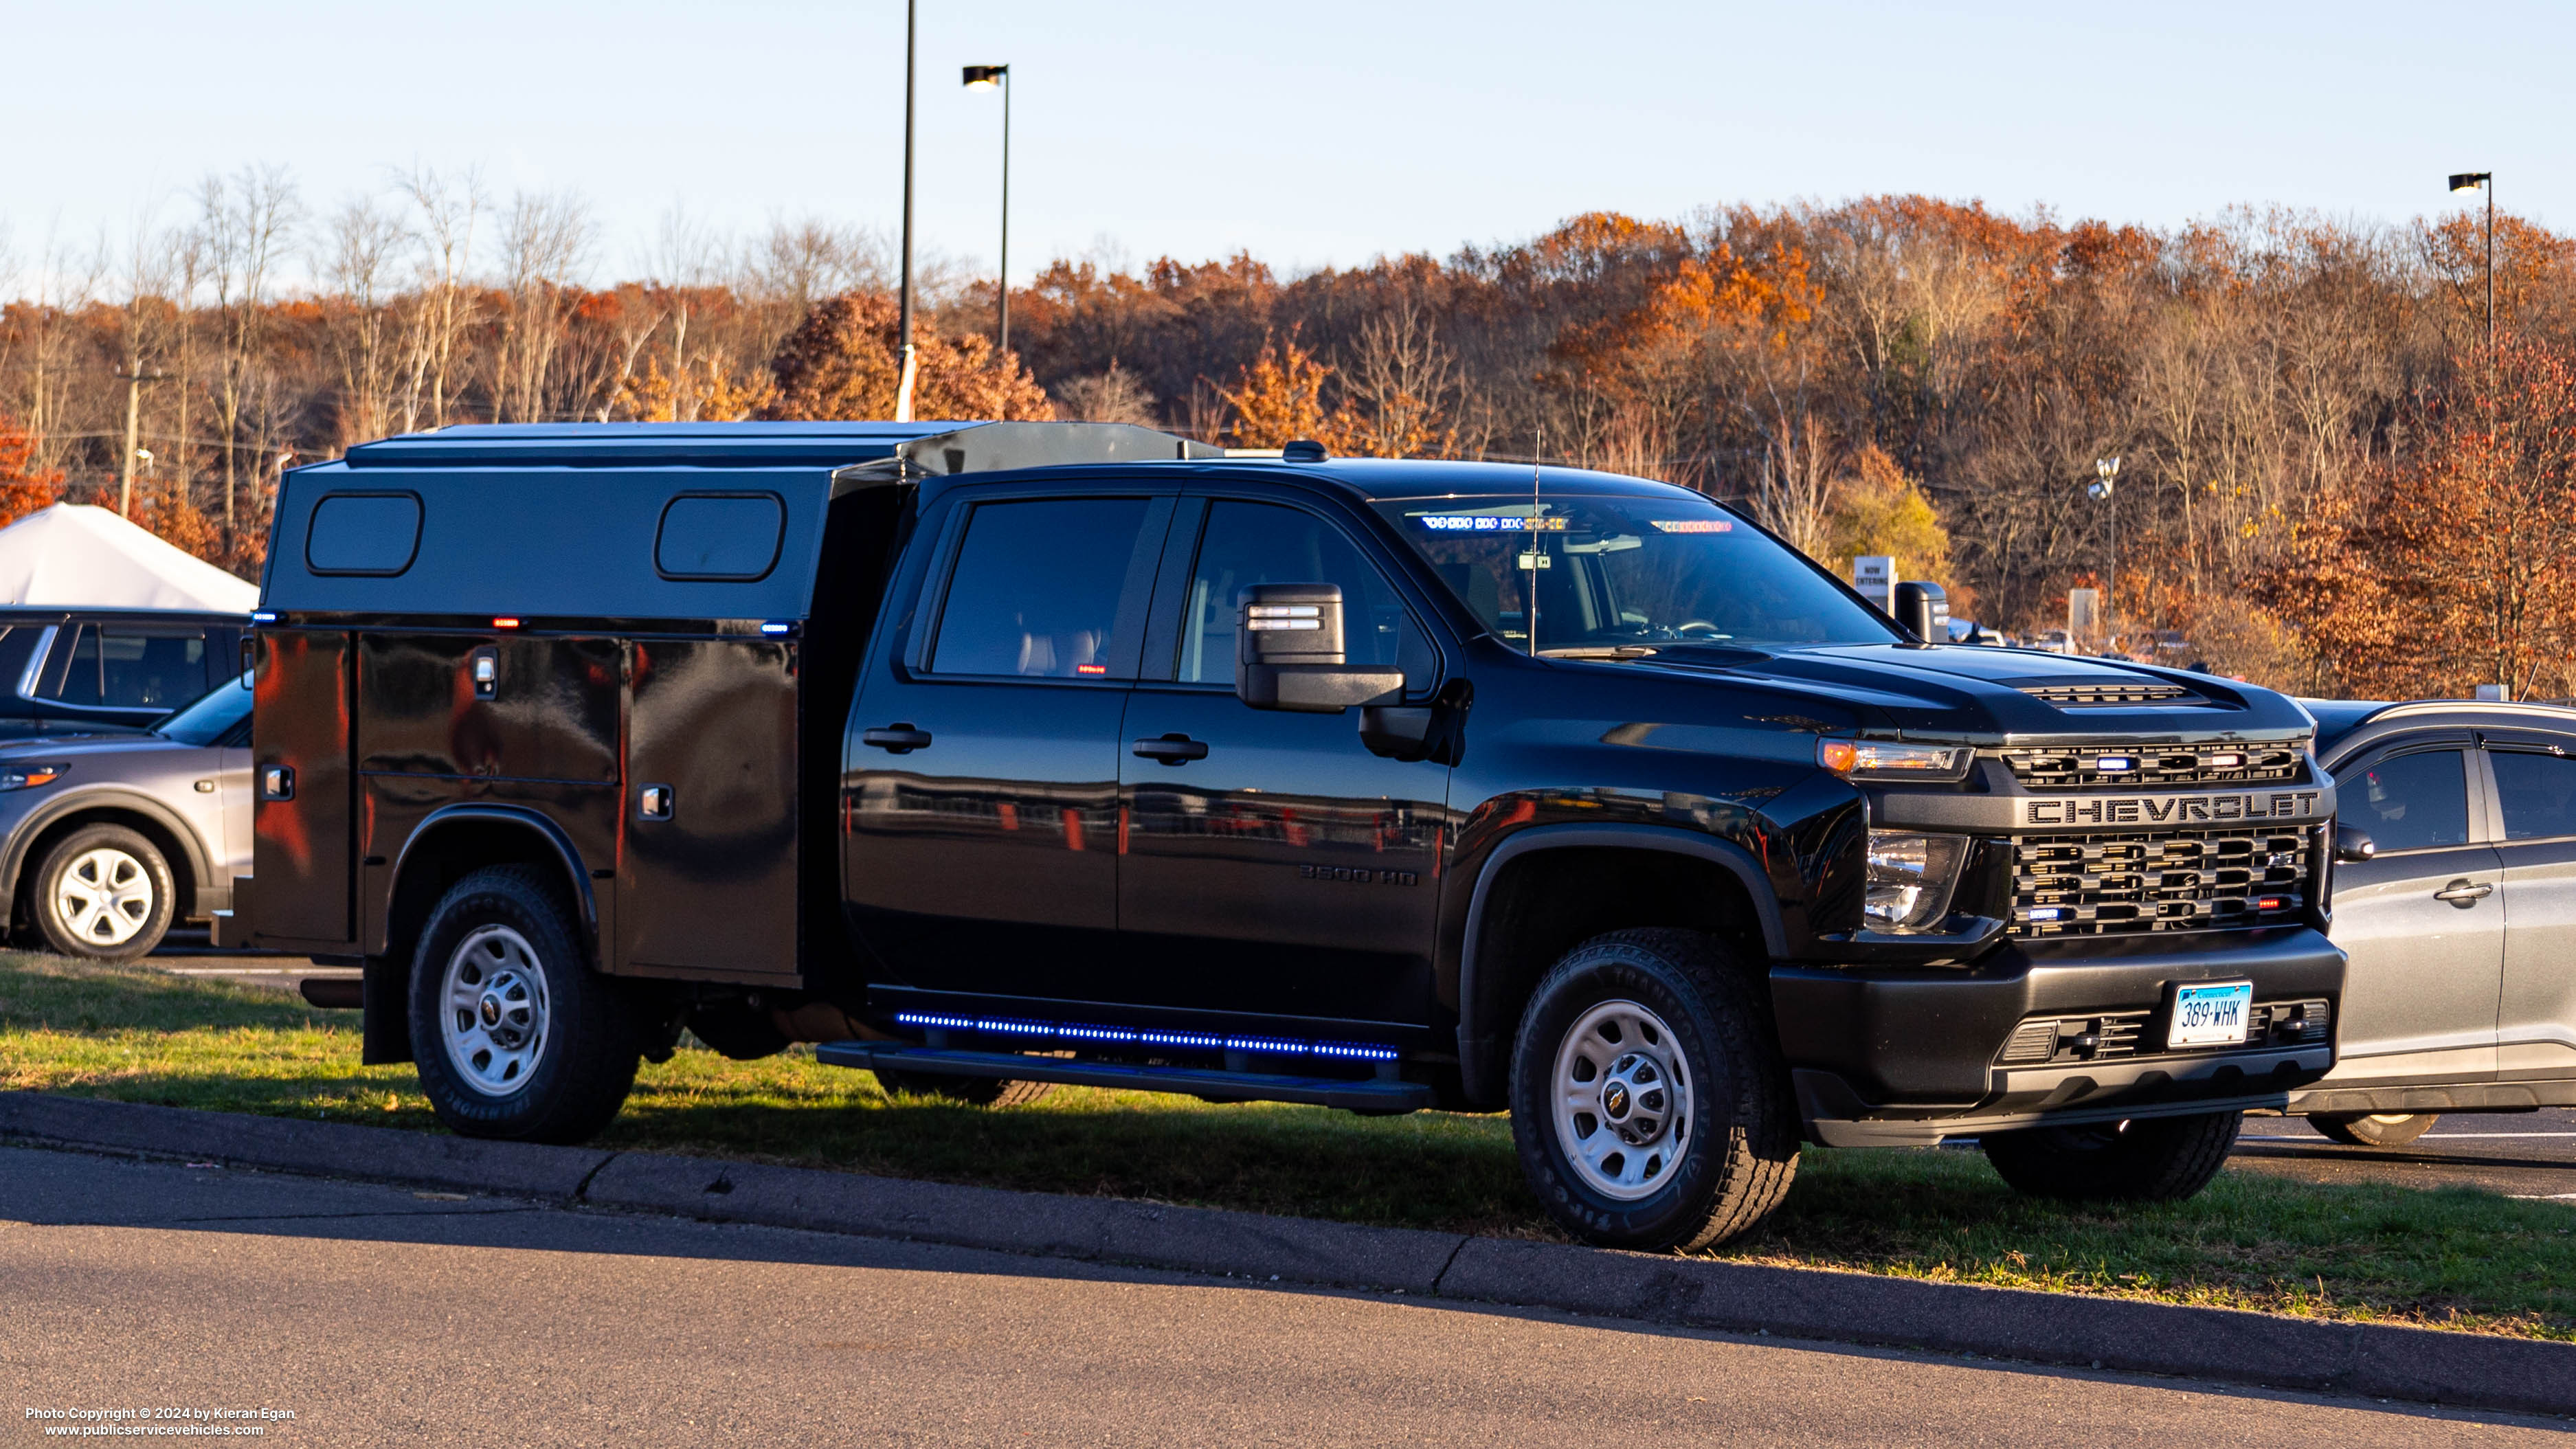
1288, 653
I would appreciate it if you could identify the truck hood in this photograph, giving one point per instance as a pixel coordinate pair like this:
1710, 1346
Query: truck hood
1968, 694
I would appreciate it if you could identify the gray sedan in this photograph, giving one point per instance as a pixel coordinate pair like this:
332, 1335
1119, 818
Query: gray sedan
2461, 927
106, 840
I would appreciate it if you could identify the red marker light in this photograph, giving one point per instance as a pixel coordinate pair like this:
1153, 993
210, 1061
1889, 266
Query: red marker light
1091, 669
505, 623
2268, 903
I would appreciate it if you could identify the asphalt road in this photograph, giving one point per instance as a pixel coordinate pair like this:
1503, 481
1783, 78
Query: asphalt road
375, 1314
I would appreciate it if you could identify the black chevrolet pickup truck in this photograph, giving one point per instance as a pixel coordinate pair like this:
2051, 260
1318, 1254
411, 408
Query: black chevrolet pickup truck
996, 756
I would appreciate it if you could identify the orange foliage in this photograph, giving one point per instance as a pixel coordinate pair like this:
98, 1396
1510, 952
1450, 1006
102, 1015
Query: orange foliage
843, 361
24, 488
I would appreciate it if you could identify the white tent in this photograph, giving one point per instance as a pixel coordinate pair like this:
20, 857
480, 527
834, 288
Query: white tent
73, 555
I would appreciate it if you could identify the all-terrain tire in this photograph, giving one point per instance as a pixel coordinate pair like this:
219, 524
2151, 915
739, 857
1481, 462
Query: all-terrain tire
2374, 1129
515, 1035
1671, 1023
2146, 1159
971, 1091
104, 893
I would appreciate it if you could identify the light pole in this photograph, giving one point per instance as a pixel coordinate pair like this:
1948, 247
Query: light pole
984, 77
903, 322
2103, 489
2483, 181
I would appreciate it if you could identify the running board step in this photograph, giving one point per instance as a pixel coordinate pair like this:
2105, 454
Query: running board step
1367, 1094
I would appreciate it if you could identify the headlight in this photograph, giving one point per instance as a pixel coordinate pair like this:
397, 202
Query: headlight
28, 777
1880, 760
1910, 879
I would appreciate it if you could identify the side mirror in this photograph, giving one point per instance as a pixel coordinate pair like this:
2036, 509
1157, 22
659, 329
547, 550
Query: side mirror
2351, 846
1925, 609
1288, 653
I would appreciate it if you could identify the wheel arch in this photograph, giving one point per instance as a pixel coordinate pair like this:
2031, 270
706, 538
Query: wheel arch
455, 840
173, 836
1548, 888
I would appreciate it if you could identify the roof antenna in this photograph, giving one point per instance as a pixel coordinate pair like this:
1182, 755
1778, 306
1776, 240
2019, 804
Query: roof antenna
1530, 560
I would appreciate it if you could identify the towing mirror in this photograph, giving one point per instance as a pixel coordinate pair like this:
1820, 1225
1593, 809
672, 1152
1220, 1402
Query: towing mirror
2353, 847
1925, 609
1288, 653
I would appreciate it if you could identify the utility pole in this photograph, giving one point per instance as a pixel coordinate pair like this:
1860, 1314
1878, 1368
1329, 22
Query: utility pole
903, 327
134, 381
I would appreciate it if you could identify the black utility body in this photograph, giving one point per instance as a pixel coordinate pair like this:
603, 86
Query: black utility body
1004, 752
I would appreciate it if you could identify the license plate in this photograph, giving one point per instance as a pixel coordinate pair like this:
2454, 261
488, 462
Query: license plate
2210, 1014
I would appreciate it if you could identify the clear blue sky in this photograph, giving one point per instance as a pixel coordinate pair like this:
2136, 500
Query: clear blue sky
1324, 131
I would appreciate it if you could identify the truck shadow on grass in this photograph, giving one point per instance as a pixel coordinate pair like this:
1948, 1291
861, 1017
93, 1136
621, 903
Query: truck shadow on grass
2453, 1258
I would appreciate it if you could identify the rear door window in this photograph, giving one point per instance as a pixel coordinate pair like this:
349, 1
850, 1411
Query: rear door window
124, 666
2538, 793
1045, 589
2411, 802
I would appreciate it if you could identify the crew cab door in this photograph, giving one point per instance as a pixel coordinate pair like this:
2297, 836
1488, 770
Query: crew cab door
980, 783
1272, 864
2534, 789
2421, 921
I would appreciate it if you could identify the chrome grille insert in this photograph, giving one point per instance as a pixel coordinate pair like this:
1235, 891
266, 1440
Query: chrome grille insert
2185, 880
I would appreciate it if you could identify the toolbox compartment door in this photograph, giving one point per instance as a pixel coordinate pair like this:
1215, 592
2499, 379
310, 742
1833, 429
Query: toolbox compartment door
300, 788
707, 870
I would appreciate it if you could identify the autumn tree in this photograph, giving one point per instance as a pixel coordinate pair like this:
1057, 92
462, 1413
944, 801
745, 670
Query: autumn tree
1278, 398
844, 362
1879, 510
24, 487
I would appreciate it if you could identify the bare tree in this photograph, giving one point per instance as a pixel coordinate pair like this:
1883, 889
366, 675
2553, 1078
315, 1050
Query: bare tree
546, 241
363, 249
246, 222
441, 305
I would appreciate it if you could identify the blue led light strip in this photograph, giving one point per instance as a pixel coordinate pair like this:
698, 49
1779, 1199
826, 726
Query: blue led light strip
1119, 1035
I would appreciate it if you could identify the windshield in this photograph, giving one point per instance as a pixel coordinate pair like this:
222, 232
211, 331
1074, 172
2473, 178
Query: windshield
1618, 574
211, 717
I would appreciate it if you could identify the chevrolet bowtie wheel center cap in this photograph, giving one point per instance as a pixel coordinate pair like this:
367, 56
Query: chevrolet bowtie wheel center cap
1623, 1100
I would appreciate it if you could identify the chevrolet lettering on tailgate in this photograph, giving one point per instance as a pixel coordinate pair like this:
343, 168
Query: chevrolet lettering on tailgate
2175, 809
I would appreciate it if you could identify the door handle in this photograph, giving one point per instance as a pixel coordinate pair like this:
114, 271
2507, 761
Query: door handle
898, 738
2462, 894
1171, 749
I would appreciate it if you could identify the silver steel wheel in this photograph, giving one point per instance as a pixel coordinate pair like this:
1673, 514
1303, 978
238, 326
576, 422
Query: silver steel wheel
105, 898
1623, 1100
494, 1018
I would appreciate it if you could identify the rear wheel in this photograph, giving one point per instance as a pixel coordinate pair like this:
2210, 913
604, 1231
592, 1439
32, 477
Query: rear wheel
2147, 1159
972, 1091
2374, 1129
104, 893
1649, 1101
515, 1035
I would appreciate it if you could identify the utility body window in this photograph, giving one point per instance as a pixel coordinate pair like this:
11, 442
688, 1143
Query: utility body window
2538, 793
116, 666
1266, 543
2411, 802
1037, 587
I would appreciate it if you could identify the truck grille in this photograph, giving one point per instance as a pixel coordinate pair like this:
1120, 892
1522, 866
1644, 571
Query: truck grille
2104, 1036
2120, 765
2185, 880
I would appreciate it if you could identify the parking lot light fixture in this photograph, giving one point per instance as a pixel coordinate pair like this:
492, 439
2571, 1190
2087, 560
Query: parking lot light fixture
988, 77
2467, 181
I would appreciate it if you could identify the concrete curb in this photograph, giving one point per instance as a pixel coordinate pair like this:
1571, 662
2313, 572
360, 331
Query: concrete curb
2415, 1364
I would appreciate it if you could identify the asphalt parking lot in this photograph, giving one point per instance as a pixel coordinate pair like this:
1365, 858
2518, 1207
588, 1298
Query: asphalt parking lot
375, 1314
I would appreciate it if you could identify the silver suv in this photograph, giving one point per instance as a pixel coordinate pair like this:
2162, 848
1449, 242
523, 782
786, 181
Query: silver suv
107, 839
2461, 927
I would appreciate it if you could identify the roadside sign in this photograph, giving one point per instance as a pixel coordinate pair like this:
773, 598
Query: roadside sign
1874, 577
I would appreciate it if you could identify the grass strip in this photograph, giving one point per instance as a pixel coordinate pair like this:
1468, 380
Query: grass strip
2453, 1258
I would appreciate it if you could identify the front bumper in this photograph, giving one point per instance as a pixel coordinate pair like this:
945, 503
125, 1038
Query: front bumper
1894, 1056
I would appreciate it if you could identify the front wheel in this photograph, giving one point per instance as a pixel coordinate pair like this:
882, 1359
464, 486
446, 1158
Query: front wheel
2374, 1129
1649, 1101
516, 1037
2147, 1159
104, 893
